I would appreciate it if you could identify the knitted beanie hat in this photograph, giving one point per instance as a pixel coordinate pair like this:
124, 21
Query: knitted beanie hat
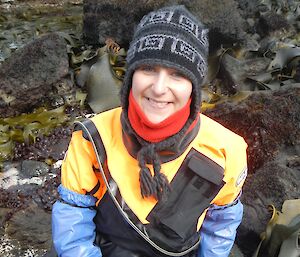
171, 37
174, 38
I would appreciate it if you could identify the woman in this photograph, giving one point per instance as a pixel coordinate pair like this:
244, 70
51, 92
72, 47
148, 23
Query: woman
172, 177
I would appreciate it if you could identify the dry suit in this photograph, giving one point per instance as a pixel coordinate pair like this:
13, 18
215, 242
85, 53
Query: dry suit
205, 179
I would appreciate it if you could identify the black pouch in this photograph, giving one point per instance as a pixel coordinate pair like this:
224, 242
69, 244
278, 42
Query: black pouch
173, 223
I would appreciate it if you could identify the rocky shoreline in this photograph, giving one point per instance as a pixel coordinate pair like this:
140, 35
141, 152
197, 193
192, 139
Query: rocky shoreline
253, 88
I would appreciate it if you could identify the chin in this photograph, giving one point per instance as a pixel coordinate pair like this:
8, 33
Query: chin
155, 119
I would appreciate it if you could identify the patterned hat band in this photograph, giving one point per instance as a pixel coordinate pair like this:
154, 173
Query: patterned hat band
177, 19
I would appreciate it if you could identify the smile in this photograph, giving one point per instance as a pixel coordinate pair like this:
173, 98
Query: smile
157, 104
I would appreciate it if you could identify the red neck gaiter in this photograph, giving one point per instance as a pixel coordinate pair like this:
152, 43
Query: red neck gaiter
155, 132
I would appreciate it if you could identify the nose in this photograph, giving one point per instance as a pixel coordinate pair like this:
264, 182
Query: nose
160, 83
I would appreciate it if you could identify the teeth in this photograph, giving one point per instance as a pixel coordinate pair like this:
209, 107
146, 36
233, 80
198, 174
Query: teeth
157, 104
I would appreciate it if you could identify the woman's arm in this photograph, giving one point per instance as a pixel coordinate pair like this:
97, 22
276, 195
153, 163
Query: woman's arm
218, 230
73, 229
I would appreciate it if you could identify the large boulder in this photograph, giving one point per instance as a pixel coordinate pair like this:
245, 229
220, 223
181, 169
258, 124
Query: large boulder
113, 19
29, 74
223, 18
268, 120
117, 19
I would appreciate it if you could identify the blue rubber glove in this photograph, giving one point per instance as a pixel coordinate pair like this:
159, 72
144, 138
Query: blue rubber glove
218, 230
73, 229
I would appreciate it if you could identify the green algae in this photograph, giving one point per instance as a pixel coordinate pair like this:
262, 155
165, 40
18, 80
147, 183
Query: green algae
27, 127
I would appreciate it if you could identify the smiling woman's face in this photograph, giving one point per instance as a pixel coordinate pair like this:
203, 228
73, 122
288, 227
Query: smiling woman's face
160, 91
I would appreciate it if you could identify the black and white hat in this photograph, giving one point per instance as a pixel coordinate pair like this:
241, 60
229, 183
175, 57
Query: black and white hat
174, 38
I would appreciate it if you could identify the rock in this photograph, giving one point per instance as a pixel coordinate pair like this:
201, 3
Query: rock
50, 253
268, 120
14, 179
25, 214
117, 19
223, 18
51, 147
272, 184
31, 227
19, 188
112, 19
29, 74
27, 231
271, 22
3, 214
47, 195
249, 7
33, 169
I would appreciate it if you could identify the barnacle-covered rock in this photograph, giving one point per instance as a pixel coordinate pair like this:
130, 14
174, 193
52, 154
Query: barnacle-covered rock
249, 7
117, 19
113, 19
271, 22
51, 147
267, 120
31, 221
222, 17
29, 74
272, 184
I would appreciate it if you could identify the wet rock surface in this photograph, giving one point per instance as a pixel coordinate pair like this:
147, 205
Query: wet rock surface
269, 121
25, 211
28, 75
30, 227
23, 219
272, 184
101, 19
52, 147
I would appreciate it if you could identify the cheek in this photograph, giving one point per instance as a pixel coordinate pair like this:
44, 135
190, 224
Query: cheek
136, 87
185, 94
134, 92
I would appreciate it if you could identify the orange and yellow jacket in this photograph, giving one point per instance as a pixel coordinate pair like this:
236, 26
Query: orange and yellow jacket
221, 146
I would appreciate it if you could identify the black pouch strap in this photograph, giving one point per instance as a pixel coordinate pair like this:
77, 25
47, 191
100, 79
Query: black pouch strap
90, 131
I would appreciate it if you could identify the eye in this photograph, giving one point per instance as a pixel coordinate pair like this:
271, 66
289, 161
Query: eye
177, 75
147, 69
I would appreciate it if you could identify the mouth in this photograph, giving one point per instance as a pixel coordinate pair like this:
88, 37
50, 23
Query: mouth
157, 104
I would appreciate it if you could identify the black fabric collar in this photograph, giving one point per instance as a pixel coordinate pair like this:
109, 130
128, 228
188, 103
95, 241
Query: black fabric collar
134, 143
